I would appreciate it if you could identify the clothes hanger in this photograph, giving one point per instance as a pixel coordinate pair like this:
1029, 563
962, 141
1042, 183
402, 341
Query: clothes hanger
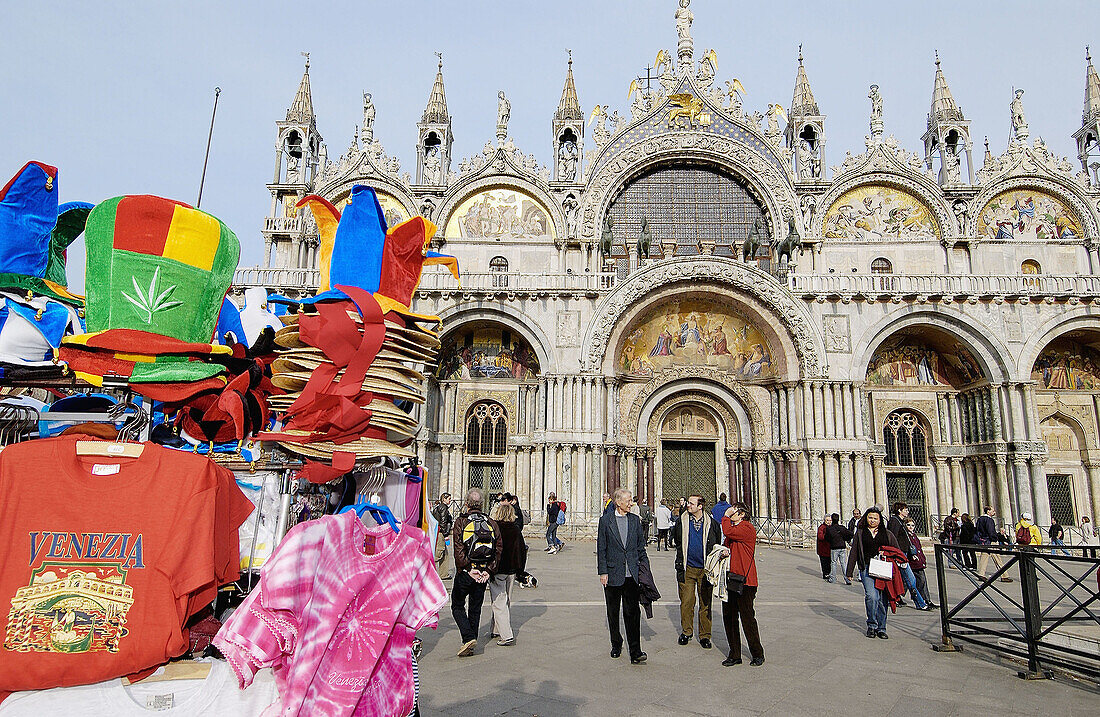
179, 670
380, 513
124, 446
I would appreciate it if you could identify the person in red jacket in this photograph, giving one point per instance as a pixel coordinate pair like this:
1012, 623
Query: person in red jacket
824, 552
741, 542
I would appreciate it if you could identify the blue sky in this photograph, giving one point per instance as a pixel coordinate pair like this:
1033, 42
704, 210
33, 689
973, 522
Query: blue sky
118, 95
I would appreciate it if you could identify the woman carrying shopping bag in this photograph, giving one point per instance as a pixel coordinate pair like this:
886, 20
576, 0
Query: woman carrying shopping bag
871, 536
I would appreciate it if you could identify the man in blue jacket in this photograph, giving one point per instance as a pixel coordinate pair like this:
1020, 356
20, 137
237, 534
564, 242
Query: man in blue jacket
720, 508
620, 551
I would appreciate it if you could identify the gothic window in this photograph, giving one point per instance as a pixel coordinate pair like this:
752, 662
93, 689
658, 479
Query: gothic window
294, 144
486, 430
498, 267
882, 265
906, 442
687, 204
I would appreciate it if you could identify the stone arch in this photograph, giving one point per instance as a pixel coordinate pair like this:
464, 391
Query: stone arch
994, 357
762, 297
342, 187
771, 184
1060, 189
471, 186
1081, 317
458, 315
738, 407
925, 190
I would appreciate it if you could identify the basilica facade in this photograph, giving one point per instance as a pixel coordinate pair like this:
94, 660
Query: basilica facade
688, 299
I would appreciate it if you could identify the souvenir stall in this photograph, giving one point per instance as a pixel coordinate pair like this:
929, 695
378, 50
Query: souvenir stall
209, 510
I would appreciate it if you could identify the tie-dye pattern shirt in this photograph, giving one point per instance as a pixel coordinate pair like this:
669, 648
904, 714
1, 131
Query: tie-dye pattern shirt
334, 614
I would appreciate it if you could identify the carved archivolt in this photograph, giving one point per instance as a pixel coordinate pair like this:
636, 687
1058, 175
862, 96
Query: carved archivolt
920, 187
506, 397
366, 173
653, 430
771, 184
925, 408
752, 281
701, 373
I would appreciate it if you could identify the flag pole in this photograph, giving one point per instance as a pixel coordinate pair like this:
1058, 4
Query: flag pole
217, 91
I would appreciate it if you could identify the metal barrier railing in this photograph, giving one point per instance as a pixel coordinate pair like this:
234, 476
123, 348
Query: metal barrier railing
1038, 606
784, 531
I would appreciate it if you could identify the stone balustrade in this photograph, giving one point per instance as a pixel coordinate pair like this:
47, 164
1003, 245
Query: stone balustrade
285, 225
875, 286
433, 282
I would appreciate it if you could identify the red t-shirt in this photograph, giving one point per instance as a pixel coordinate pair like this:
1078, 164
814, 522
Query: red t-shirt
102, 559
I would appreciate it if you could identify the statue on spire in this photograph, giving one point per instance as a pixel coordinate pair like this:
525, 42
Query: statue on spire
1019, 122
684, 45
877, 125
368, 118
504, 113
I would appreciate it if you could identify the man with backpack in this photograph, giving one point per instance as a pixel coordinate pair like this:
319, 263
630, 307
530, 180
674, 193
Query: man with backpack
477, 545
1027, 533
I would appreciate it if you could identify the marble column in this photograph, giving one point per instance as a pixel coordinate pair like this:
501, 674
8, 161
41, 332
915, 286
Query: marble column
1039, 493
806, 402
858, 410
1024, 501
445, 469
818, 393
865, 487
553, 471
831, 493
651, 479
942, 485
1000, 476
801, 482
847, 490
958, 495
582, 477
640, 478
749, 493
829, 410
765, 489
781, 484
538, 465
731, 478
879, 477
1093, 470
458, 472
524, 469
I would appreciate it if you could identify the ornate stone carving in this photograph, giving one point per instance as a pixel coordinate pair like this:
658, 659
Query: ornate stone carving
838, 336
703, 373
719, 269
653, 429
507, 397
1020, 159
569, 328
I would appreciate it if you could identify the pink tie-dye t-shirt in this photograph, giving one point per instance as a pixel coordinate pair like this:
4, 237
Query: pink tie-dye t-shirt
335, 621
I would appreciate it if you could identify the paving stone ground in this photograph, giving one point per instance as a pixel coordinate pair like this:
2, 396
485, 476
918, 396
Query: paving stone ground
818, 660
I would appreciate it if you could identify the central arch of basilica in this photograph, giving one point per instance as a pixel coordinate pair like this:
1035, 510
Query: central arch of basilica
691, 301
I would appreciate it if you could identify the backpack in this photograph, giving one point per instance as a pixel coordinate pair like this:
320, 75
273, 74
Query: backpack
479, 538
1023, 535
561, 513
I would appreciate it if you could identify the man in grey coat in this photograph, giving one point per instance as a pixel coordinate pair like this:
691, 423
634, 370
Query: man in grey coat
620, 549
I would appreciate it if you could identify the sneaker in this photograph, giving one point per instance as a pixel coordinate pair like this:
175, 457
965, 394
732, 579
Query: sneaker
881, 634
493, 634
467, 648
506, 643
901, 602
871, 632
547, 549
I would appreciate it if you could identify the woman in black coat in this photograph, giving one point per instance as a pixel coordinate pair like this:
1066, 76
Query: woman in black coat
871, 535
966, 537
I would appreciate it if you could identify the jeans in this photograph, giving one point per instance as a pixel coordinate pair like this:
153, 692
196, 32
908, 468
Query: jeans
469, 620
739, 609
911, 583
627, 595
1059, 542
552, 535
695, 579
500, 592
839, 564
874, 602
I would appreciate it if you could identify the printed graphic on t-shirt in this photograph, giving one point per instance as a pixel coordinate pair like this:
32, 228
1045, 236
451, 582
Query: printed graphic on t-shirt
80, 604
359, 639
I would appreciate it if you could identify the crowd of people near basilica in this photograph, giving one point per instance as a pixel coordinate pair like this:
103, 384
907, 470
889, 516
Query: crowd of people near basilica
714, 561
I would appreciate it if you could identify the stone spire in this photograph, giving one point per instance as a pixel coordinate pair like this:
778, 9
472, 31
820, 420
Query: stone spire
569, 108
436, 111
803, 102
301, 109
1092, 92
944, 108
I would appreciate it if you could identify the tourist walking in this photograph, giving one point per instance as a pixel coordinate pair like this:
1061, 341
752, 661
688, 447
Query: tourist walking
719, 510
951, 531
1089, 536
738, 611
513, 561
698, 534
918, 561
554, 518
646, 515
837, 536
442, 514
986, 533
1057, 537
1027, 533
824, 552
477, 547
871, 536
856, 515
664, 524
966, 537
620, 551
896, 525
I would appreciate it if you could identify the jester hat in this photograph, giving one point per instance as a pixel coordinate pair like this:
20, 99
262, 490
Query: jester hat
35, 231
357, 249
157, 272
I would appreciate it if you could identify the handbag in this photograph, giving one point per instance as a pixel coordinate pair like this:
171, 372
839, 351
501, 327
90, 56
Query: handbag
881, 569
735, 584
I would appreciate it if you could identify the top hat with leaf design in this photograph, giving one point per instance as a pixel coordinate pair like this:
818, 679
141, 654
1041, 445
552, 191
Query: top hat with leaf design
156, 275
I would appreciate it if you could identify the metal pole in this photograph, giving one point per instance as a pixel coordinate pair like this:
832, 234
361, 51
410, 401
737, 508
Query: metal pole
217, 91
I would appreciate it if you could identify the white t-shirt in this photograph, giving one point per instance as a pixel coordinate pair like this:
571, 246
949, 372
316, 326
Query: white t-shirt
218, 694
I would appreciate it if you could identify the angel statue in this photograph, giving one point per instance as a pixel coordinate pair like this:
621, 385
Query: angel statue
707, 67
734, 90
773, 114
600, 134
663, 63
641, 102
